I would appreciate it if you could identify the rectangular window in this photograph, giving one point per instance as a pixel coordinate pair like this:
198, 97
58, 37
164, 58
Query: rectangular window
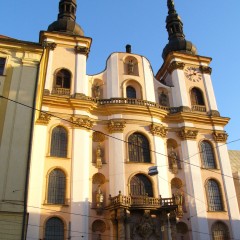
2, 65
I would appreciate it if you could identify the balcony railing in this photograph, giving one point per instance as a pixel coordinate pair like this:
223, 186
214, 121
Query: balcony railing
140, 201
199, 108
61, 91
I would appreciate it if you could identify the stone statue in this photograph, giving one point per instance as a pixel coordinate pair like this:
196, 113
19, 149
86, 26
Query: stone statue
99, 197
173, 161
97, 91
130, 66
99, 156
179, 202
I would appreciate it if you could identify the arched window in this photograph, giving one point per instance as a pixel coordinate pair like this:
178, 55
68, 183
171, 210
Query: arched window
140, 185
214, 196
208, 160
138, 148
62, 82
54, 229
63, 79
56, 187
131, 92
59, 142
220, 231
197, 97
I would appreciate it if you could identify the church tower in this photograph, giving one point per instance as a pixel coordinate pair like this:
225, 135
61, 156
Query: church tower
200, 136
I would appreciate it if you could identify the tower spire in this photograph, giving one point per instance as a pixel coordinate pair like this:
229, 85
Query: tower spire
66, 21
176, 37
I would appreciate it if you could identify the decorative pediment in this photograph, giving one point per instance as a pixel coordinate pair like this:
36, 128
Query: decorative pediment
188, 133
158, 130
98, 136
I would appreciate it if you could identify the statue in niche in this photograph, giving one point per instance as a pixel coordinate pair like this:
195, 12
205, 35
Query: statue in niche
163, 99
130, 67
178, 196
99, 156
173, 161
96, 90
99, 197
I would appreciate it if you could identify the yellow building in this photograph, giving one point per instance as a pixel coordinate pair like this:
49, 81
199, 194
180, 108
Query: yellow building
122, 154
19, 72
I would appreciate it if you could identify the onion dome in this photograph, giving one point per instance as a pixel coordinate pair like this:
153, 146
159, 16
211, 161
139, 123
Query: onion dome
176, 37
66, 22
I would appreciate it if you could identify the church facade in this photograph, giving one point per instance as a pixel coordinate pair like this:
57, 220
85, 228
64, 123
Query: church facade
126, 154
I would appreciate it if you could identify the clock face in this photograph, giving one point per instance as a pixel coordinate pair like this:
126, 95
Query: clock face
193, 74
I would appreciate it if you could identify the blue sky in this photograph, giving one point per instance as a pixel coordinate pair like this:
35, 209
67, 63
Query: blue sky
212, 25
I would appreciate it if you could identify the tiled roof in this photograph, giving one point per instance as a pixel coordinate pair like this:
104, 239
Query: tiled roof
234, 157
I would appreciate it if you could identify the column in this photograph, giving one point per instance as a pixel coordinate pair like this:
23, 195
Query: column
159, 133
195, 189
121, 223
229, 188
212, 104
81, 82
179, 90
36, 178
116, 157
81, 158
49, 80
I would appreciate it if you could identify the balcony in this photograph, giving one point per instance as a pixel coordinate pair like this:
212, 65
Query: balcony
141, 202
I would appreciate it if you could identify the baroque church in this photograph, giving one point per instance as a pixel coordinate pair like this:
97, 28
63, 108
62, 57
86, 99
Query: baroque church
124, 154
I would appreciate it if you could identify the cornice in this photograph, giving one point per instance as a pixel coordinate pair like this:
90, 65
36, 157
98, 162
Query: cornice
92, 107
182, 57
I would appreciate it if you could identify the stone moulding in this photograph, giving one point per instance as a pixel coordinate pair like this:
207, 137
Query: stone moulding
205, 69
158, 130
82, 50
44, 118
220, 136
83, 123
98, 136
175, 65
188, 133
49, 45
116, 126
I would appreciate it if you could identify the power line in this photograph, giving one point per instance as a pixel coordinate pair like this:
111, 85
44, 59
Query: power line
122, 140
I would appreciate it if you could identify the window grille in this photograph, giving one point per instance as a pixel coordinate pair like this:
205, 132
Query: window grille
208, 160
138, 147
54, 229
56, 187
214, 196
131, 92
140, 185
220, 231
196, 97
59, 142
2, 65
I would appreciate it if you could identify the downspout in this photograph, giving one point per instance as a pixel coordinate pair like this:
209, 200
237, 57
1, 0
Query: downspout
24, 226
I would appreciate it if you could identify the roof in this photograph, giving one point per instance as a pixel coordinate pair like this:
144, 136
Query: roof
234, 157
